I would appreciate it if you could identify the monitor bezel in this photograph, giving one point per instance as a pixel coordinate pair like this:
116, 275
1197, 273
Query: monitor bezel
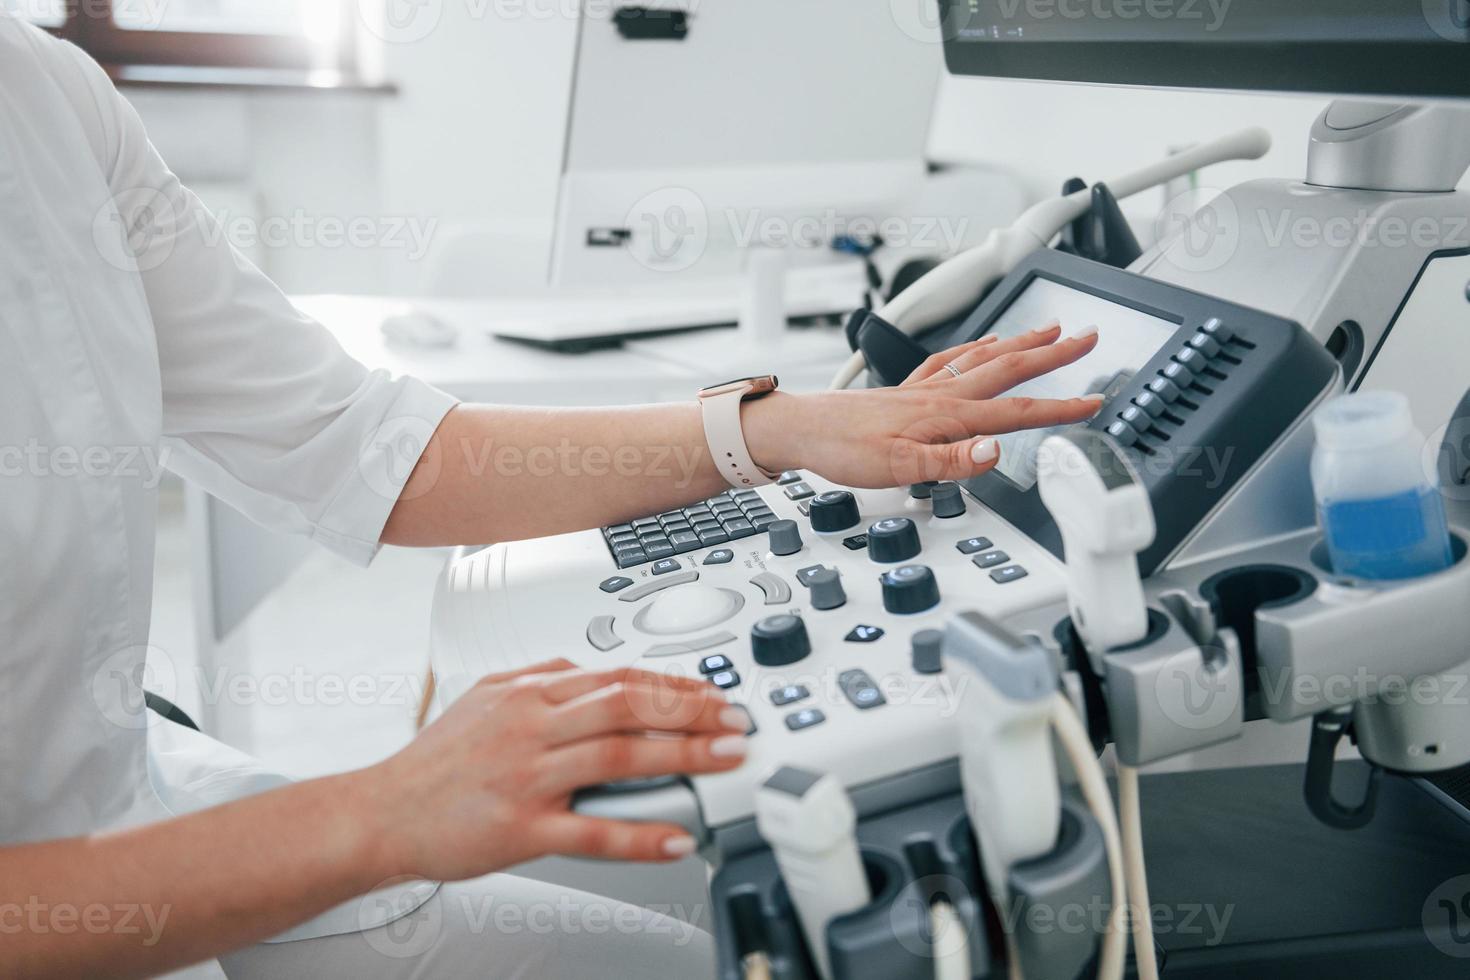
1388, 69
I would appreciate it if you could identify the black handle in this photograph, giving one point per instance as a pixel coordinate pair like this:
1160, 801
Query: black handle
1328, 729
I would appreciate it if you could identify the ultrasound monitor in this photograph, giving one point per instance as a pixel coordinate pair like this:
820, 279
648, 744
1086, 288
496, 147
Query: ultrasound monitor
1417, 49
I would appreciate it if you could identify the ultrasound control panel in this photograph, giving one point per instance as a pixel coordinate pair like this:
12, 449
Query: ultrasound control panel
824, 625
818, 607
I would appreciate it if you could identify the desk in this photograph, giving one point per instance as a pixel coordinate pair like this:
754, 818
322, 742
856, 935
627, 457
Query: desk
235, 563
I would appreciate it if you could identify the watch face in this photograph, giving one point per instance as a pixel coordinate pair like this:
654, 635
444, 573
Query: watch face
761, 384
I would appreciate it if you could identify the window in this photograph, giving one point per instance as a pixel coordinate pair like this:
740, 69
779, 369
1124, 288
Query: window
280, 34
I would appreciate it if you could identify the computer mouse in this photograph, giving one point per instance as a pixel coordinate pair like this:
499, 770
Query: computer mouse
419, 329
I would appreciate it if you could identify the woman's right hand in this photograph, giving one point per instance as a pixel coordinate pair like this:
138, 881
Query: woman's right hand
489, 784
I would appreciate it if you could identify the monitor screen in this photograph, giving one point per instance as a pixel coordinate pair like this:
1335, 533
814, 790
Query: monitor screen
1127, 339
1347, 47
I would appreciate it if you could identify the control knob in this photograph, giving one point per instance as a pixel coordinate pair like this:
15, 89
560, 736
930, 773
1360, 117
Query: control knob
927, 651
785, 537
779, 640
909, 589
826, 589
835, 510
948, 500
893, 539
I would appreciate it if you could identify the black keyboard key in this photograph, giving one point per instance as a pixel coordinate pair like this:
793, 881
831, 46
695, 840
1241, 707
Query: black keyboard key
716, 535
684, 541
739, 528
661, 549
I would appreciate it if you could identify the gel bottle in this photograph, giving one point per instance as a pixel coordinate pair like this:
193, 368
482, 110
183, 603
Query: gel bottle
1383, 517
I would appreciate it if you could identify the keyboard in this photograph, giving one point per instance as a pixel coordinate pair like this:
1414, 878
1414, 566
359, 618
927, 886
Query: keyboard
729, 516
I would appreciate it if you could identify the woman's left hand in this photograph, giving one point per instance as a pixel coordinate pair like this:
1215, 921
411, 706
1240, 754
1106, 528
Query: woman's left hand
937, 425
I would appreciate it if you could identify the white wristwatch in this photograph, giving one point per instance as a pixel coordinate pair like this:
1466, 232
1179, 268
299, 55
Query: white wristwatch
723, 433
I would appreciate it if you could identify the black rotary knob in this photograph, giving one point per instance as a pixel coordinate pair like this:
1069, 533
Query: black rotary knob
893, 539
779, 640
948, 500
835, 510
909, 589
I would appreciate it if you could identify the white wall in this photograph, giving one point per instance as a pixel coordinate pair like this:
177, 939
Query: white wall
1051, 131
310, 161
474, 139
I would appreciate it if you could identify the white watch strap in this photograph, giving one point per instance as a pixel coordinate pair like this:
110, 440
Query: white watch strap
726, 440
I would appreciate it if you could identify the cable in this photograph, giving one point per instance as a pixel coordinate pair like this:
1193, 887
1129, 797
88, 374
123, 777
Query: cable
952, 957
756, 966
1073, 736
1140, 908
954, 286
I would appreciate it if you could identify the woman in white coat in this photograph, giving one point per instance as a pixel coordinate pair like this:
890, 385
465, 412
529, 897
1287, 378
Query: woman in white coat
130, 337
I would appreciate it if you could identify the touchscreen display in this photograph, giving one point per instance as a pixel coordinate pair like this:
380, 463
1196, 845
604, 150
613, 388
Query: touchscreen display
1127, 339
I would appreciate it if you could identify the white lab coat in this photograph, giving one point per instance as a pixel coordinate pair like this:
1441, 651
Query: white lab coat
131, 333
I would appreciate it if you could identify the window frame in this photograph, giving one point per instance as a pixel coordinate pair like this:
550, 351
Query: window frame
90, 25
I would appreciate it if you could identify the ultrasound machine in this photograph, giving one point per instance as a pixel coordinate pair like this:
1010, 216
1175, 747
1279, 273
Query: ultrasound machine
932, 672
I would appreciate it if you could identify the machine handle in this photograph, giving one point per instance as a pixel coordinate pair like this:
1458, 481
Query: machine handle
1328, 728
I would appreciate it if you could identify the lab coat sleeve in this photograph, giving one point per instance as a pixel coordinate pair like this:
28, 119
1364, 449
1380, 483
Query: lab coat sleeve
261, 405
